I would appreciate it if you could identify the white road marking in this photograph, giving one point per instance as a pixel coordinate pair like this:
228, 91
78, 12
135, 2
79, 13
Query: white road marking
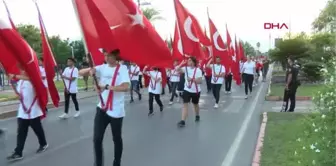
230, 156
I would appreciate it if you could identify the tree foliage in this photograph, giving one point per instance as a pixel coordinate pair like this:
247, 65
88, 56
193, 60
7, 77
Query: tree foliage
60, 47
327, 18
152, 14
249, 49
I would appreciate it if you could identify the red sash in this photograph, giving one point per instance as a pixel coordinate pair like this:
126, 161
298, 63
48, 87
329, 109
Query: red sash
215, 79
132, 74
193, 81
70, 81
109, 102
27, 111
153, 86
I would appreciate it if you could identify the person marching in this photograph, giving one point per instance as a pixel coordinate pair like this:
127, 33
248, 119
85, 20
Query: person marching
114, 82
70, 76
134, 77
174, 80
29, 115
248, 71
218, 74
228, 81
258, 69
207, 76
192, 88
43, 75
241, 63
85, 64
154, 89
265, 69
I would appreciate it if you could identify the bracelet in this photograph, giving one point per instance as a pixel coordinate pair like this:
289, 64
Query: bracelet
106, 86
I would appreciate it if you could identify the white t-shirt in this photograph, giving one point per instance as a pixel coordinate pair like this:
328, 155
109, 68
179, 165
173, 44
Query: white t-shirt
241, 64
154, 87
217, 69
43, 74
191, 86
106, 74
133, 70
175, 75
72, 73
249, 67
168, 72
27, 91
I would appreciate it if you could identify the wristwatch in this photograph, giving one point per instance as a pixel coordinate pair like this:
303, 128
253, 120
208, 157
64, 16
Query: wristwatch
107, 86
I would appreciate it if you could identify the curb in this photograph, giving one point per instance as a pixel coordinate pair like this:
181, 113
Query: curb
260, 142
279, 98
13, 113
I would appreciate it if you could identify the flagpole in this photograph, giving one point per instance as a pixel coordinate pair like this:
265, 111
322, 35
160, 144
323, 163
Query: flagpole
80, 26
211, 51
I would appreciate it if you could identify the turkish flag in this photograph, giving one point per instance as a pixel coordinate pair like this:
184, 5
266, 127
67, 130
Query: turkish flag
190, 32
25, 55
218, 46
235, 67
241, 51
49, 62
120, 24
177, 45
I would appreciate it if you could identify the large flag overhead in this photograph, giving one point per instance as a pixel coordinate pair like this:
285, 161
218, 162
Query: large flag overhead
190, 32
49, 62
131, 32
24, 55
235, 69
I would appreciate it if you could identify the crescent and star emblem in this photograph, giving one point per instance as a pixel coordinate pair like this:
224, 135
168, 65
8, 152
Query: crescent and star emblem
188, 31
215, 41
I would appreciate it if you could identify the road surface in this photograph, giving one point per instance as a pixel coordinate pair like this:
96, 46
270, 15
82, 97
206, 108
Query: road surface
224, 137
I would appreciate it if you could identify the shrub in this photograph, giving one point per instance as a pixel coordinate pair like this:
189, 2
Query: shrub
312, 71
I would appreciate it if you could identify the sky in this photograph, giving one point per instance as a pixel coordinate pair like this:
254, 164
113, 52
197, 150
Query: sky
244, 18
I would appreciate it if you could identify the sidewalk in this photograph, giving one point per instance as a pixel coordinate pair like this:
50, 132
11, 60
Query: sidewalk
9, 108
301, 106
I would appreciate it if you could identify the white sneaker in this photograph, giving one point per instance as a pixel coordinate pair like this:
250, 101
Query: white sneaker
64, 116
229, 92
246, 96
77, 114
170, 103
178, 99
216, 106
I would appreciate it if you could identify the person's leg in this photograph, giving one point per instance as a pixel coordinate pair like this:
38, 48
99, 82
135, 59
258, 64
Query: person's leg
66, 102
208, 82
140, 81
86, 78
226, 83
116, 127
150, 103
169, 84
36, 125
131, 90
186, 99
74, 100
195, 100
22, 132
250, 80
136, 89
292, 98
158, 101
229, 83
173, 94
101, 121
218, 88
246, 84
213, 88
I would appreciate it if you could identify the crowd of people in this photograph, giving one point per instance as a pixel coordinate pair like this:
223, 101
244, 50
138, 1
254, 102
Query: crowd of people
115, 78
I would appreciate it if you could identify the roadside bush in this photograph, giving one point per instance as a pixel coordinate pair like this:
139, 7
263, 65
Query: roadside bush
316, 143
312, 71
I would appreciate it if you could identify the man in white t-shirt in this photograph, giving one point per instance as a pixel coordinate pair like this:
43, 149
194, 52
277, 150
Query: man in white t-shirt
249, 71
43, 74
70, 77
29, 115
154, 88
217, 79
174, 80
192, 88
134, 71
114, 82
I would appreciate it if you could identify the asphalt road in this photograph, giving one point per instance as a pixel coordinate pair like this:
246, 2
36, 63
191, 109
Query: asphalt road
224, 137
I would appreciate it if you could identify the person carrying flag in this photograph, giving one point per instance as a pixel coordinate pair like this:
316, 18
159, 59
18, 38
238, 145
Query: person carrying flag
29, 115
218, 74
43, 75
134, 71
114, 82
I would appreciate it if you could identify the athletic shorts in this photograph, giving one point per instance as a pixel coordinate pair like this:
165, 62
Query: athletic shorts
193, 97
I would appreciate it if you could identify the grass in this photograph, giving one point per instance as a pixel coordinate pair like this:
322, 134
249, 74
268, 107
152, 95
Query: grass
81, 84
303, 90
279, 73
4, 98
279, 140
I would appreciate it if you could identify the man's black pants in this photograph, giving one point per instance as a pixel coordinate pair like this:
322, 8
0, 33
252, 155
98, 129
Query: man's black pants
22, 132
228, 82
67, 101
173, 90
208, 82
140, 82
216, 91
248, 80
290, 95
135, 88
151, 100
100, 123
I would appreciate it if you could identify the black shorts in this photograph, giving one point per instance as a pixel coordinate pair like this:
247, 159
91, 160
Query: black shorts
193, 97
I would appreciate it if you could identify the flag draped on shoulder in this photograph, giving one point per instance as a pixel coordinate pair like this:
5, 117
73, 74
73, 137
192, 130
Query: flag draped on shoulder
120, 24
19, 49
49, 62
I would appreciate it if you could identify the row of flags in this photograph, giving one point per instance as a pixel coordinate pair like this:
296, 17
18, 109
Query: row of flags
119, 24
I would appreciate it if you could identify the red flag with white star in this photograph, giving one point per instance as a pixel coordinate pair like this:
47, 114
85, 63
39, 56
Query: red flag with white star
131, 32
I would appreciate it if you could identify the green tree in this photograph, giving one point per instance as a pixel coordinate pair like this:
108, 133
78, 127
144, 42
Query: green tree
79, 50
32, 35
152, 14
327, 18
61, 49
249, 49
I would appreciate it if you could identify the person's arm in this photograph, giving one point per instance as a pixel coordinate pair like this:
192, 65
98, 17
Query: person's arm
124, 86
198, 77
179, 68
85, 71
20, 77
223, 73
159, 77
208, 65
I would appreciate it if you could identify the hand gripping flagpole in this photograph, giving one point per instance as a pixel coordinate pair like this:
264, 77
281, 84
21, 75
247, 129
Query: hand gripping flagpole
92, 65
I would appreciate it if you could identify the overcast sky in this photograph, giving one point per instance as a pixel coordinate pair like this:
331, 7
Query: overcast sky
245, 18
